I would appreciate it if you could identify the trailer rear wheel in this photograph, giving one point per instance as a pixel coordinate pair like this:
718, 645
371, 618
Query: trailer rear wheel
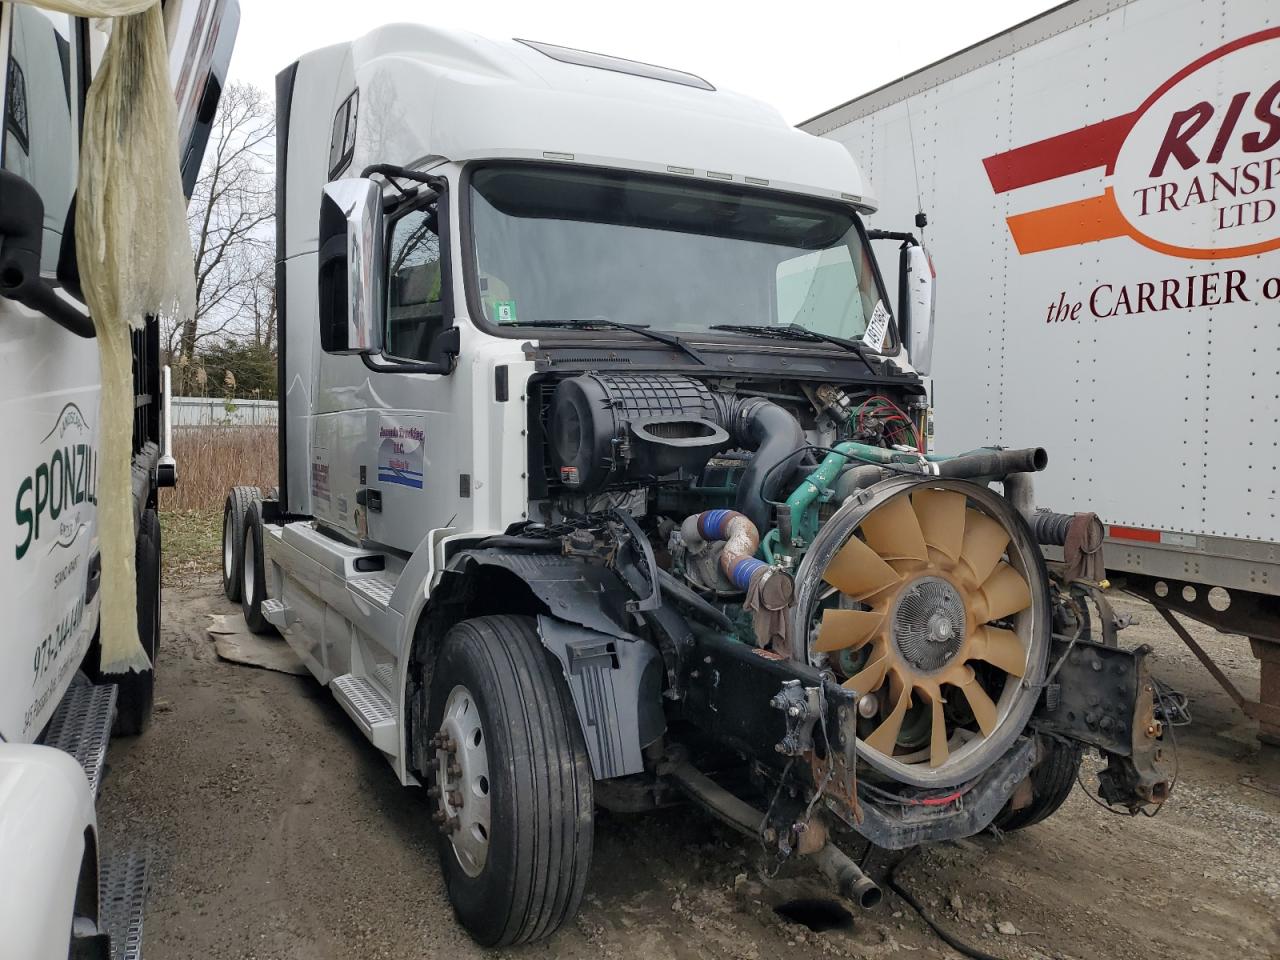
233, 513
135, 691
512, 783
253, 592
1051, 782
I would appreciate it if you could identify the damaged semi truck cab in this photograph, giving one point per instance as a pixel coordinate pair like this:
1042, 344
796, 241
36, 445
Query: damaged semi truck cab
606, 480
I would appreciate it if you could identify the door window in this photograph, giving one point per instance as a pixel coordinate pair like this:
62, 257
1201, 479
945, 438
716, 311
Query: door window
41, 107
415, 308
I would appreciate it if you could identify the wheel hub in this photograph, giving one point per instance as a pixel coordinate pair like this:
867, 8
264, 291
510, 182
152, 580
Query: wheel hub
929, 623
461, 787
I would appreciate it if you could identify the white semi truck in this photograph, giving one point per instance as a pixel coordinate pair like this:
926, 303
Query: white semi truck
60, 894
604, 479
1102, 191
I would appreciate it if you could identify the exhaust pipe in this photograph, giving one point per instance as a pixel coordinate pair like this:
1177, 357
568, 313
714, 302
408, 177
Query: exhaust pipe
848, 877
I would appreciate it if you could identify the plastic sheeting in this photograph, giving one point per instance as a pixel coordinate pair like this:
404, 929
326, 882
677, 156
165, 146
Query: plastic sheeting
134, 255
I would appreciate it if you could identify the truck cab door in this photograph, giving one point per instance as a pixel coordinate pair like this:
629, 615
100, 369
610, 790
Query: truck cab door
48, 381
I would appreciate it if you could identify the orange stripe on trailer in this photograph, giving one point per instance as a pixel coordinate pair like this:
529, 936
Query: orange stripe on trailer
1134, 533
1080, 221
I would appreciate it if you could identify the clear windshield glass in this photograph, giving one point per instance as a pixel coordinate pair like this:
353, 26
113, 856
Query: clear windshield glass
563, 244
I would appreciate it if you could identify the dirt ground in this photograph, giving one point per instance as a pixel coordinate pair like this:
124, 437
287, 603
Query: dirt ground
277, 831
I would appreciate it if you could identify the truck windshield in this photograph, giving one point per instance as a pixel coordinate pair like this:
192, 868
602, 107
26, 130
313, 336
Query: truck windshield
564, 244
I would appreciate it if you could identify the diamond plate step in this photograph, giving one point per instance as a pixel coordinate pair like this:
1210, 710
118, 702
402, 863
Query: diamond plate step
376, 588
81, 726
371, 711
122, 892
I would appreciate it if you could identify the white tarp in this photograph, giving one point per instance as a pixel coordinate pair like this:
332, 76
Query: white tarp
134, 255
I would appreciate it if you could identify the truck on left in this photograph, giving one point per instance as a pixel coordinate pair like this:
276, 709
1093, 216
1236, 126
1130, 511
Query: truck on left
59, 896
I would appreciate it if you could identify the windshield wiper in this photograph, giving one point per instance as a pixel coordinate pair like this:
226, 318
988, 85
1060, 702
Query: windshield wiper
793, 331
586, 323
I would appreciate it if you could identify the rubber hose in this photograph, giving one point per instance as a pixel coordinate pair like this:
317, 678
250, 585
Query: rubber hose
857, 477
994, 463
1050, 528
774, 434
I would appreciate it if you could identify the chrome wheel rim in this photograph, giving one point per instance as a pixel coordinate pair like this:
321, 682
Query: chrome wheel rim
462, 779
249, 566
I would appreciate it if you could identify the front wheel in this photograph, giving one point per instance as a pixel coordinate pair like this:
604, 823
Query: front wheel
510, 783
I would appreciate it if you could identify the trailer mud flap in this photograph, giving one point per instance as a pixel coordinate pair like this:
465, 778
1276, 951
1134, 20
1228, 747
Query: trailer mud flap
616, 686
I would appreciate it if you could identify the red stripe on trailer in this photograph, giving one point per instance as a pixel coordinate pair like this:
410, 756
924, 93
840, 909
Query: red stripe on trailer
1134, 533
1074, 152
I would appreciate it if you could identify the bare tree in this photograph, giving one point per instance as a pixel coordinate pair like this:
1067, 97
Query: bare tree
230, 216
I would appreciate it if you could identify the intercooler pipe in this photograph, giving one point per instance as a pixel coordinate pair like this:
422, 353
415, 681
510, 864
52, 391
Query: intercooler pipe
742, 540
993, 464
775, 435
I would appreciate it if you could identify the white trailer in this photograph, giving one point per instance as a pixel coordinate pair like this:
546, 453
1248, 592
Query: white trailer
1101, 185
603, 473
57, 709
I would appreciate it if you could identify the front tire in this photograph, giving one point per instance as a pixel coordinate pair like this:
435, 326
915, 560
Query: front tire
1051, 782
527, 877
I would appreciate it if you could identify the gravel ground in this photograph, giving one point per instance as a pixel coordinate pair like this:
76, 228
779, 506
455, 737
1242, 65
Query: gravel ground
277, 831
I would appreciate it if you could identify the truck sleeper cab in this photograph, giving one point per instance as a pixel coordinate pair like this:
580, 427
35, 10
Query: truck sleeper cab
593, 398
58, 708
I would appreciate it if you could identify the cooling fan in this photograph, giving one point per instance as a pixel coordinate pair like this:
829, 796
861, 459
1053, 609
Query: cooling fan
923, 604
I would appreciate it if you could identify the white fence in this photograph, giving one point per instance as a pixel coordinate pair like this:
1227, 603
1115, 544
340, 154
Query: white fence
211, 411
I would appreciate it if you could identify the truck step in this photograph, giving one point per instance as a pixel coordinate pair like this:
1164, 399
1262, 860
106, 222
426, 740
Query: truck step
376, 588
371, 711
81, 726
278, 613
122, 891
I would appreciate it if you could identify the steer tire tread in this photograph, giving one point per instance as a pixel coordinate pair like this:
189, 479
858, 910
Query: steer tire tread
1051, 782
542, 803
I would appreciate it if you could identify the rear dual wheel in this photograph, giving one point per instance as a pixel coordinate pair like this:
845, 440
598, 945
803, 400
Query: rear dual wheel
239, 499
510, 784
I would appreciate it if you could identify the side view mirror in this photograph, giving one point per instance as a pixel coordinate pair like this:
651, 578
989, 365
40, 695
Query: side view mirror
915, 293
21, 241
350, 267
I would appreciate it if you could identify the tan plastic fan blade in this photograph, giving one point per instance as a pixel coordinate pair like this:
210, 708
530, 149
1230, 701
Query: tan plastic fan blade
893, 531
984, 710
984, 542
869, 678
1004, 593
939, 752
885, 736
1000, 648
858, 571
846, 629
941, 516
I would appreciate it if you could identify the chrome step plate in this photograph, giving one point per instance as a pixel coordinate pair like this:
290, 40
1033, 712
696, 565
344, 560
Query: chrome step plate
81, 726
122, 891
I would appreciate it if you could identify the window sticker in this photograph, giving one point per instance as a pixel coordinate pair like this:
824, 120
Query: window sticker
504, 311
877, 327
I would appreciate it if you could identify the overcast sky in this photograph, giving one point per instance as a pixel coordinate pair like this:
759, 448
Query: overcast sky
803, 56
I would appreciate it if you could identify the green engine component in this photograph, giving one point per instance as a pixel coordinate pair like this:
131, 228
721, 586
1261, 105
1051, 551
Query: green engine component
817, 487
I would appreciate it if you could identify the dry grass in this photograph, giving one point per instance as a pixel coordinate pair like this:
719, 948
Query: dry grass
211, 460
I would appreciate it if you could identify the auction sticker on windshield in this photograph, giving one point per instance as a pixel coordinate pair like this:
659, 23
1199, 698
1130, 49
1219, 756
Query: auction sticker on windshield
877, 327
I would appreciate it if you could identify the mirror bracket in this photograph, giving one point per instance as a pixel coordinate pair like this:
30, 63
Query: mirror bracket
21, 236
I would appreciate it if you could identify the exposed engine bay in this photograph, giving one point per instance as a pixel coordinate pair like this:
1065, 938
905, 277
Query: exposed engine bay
850, 631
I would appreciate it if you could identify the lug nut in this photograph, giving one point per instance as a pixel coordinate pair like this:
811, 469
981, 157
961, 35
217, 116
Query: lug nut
455, 770
455, 798
433, 792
